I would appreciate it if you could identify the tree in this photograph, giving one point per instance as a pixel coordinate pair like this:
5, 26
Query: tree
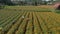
34, 2
6, 2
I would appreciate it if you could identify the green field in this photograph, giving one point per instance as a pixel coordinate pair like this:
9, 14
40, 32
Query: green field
29, 20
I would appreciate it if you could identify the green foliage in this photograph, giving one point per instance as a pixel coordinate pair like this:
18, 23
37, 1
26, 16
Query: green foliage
58, 11
1, 7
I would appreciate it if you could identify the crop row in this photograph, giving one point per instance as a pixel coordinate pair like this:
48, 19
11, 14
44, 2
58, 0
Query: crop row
23, 22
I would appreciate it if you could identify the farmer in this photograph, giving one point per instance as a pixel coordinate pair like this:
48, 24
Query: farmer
27, 19
23, 17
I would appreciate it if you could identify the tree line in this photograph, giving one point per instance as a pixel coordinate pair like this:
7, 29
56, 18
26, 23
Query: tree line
32, 2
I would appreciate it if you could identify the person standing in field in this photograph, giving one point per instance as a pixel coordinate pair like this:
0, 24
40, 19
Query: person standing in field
27, 19
23, 17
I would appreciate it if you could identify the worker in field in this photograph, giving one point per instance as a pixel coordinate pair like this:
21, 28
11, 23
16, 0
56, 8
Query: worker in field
27, 19
23, 17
